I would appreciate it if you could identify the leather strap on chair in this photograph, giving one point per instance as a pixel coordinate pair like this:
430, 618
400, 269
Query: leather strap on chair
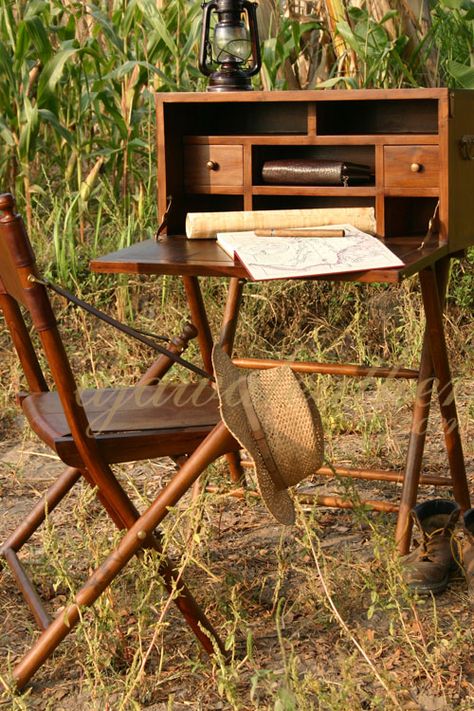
132, 332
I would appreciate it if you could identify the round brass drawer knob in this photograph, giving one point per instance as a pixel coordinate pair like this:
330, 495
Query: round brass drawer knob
415, 167
212, 165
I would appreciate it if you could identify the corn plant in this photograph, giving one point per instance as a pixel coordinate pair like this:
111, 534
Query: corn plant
30, 70
453, 36
371, 44
380, 58
77, 80
76, 98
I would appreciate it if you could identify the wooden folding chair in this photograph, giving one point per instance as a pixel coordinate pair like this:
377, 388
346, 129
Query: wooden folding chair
92, 429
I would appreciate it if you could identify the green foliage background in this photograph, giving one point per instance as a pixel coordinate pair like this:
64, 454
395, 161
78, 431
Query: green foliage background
77, 123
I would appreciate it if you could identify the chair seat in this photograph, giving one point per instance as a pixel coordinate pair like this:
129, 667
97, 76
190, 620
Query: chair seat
128, 424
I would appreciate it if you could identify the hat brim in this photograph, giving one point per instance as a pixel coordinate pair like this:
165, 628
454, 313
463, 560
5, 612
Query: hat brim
277, 501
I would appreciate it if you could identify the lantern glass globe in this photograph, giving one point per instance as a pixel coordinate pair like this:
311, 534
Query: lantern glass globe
231, 43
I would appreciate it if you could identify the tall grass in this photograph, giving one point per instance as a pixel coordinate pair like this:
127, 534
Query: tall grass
77, 121
76, 94
322, 44
76, 97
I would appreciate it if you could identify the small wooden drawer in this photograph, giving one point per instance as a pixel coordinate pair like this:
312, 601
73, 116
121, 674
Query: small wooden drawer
411, 166
213, 166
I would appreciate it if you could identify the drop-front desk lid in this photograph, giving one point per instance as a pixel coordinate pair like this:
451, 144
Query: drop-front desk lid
203, 257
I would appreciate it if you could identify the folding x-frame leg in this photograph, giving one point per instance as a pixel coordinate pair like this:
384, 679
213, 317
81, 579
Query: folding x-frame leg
140, 534
434, 365
48, 502
46, 505
229, 326
124, 515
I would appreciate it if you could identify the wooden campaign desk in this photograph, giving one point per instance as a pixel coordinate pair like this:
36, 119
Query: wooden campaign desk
420, 147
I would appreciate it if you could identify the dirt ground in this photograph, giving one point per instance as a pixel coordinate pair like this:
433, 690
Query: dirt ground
263, 587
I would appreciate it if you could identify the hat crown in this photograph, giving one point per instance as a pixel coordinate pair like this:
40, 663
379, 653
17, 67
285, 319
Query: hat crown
292, 432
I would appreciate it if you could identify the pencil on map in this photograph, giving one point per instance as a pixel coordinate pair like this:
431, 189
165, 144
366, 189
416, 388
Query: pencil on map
303, 232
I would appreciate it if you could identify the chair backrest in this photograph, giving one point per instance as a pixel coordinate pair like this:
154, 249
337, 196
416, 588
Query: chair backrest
15, 254
19, 285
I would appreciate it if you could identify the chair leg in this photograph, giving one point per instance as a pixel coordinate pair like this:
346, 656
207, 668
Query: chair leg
215, 445
27, 589
124, 514
48, 502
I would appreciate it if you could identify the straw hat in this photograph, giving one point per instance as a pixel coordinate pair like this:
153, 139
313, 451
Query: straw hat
272, 416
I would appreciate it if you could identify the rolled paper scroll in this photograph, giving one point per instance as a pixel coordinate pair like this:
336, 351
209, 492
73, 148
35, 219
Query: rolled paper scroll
205, 225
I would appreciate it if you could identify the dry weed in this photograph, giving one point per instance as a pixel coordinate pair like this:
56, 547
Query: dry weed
314, 617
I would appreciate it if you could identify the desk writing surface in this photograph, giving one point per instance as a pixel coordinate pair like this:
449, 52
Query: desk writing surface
183, 257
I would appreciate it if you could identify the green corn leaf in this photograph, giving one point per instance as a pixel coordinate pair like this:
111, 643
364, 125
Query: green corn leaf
35, 7
192, 39
22, 44
8, 23
94, 50
39, 36
28, 131
344, 29
127, 67
48, 117
377, 38
132, 18
107, 27
452, 4
390, 15
138, 143
155, 18
113, 113
51, 75
7, 135
462, 74
6, 67
356, 13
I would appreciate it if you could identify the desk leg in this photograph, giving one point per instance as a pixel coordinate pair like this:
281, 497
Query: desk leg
226, 341
416, 445
439, 356
231, 315
199, 319
434, 363
204, 336
419, 427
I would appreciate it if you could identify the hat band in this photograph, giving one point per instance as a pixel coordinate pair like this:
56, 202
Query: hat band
258, 434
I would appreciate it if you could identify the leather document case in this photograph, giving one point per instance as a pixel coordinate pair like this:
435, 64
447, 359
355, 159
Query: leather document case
314, 172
